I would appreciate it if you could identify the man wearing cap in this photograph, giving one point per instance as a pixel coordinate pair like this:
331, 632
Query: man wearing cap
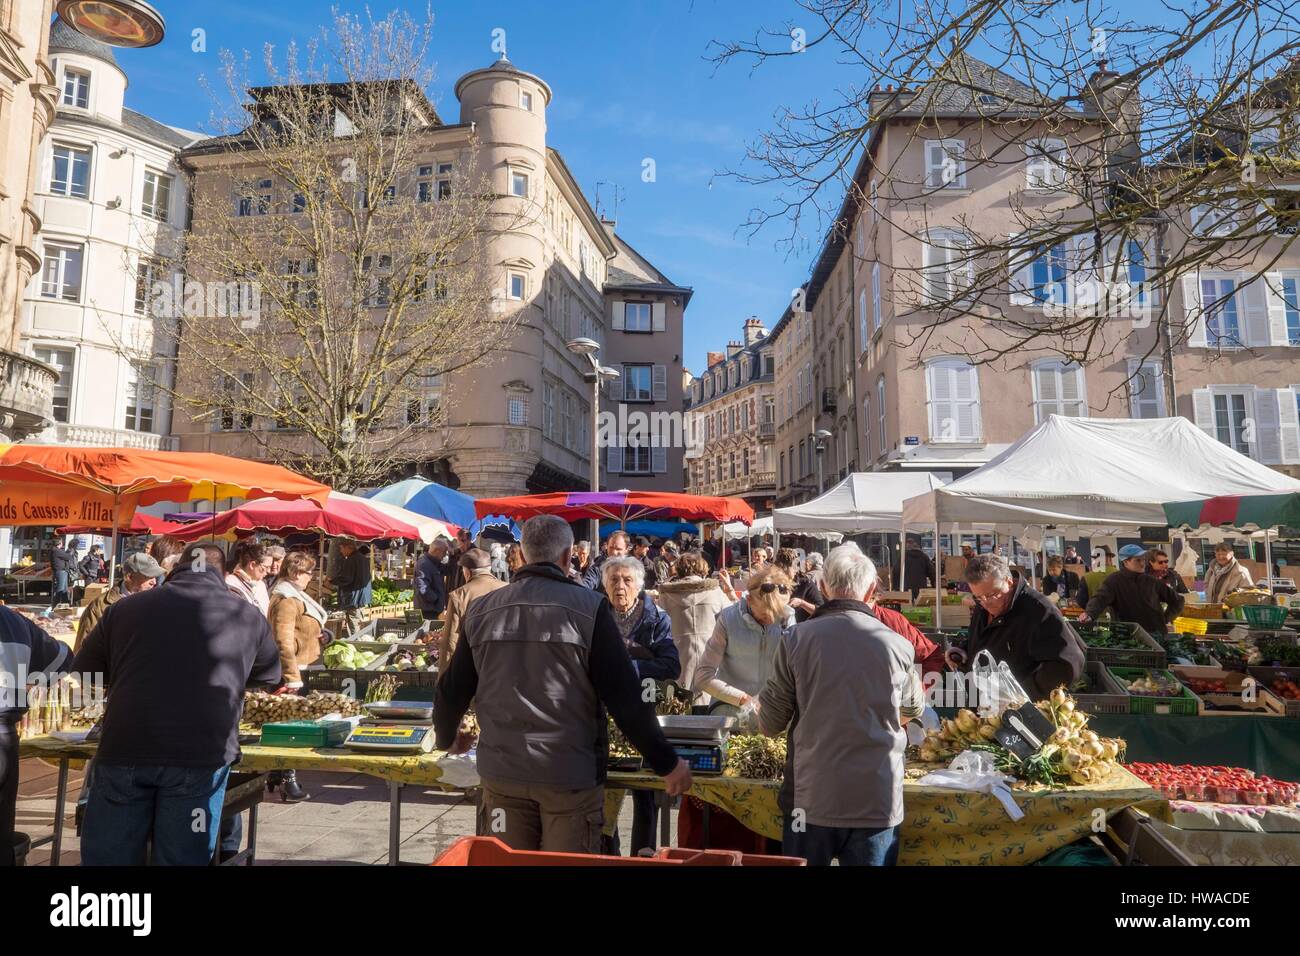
477, 566
141, 572
1130, 594
663, 564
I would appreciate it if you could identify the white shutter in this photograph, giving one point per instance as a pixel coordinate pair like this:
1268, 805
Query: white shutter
1072, 391
1193, 316
1277, 333
658, 459
1203, 411
1252, 411
618, 314
1288, 426
1268, 435
1047, 394
966, 400
1255, 321
1020, 270
862, 319
614, 460
934, 155
659, 383
943, 414
658, 317
617, 385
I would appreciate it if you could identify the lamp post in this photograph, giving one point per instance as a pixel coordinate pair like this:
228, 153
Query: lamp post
820, 447
588, 349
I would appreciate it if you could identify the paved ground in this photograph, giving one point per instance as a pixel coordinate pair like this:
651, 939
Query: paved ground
345, 821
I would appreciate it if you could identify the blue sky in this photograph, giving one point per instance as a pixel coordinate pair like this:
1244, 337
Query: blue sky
630, 81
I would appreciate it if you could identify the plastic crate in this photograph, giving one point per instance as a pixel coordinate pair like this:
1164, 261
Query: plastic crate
1208, 612
1112, 699
1264, 616
1151, 654
1186, 704
1265, 676
1190, 625
489, 851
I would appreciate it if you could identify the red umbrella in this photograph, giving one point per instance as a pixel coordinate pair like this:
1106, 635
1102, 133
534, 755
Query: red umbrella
620, 506
341, 516
141, 523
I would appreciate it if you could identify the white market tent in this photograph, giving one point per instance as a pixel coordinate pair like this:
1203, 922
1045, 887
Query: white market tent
864, 501
1098, 476
762, 526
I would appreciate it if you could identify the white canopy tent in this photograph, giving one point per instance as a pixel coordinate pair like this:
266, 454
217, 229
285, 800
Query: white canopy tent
1097, 476
762, 526
864, 501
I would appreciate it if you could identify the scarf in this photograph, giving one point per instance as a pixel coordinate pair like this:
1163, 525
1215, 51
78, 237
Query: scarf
286, 589
627, 623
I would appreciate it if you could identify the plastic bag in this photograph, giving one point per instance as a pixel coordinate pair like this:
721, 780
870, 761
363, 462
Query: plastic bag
973, 770
747, 719
460, 771
916, 728
996, 688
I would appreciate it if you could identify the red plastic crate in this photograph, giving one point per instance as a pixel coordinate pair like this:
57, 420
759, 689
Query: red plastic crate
490, 851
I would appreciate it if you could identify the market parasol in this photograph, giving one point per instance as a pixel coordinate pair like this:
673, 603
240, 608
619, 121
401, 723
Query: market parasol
141, 523
620, 506
341, 516
437, 501
1244, 512
44, 485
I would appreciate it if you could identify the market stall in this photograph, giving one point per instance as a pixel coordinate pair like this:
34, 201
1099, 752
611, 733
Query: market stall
620, 506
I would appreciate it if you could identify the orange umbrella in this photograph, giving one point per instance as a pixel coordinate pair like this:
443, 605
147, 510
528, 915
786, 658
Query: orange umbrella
56, 485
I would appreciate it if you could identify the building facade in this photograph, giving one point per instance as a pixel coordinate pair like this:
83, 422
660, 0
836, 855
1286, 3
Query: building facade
732, 416
113, 202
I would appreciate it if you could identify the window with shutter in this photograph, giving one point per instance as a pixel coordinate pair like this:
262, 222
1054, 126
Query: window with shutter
1146, 389
1045, 163
659, 385
1289, 424
659, 316
863, 333
1287, 299
945, 164
876, 320
1219, 301
949, 267
880, 412
1253, 299
866, 427
1058, 390
953, 401
1231, 413
614, 459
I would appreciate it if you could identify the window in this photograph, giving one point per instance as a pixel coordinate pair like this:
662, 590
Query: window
157, 195
1146, 390
300, 286
863, 333
422, 408
1230, 420
444, 181
636, 459
876, 319
1136, 267
76, 89
517, 285
379, 286
945, 163
70, 173
953, 401
148, 273
782, 472
519, 184
299, 203
803, 460
1214, 219
63, 361
1291, 308
525, 100
949, 268
424, 184
637, 383
231, 419
1058, 390
517, 411
140, 391
568, 412
1045, 163
256, 200
637, 317
866, 427
1048, 276
1222, 319
61, 273
872, 199
880, 411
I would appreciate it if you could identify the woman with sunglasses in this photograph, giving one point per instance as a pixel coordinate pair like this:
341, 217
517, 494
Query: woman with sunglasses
737, 660
1158, 567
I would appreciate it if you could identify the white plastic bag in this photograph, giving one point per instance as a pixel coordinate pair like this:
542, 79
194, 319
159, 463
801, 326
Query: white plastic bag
460, 771
973, 770
996, 688
916, 728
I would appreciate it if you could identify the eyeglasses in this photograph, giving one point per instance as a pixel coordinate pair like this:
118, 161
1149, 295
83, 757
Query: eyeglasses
995, 596
769, 587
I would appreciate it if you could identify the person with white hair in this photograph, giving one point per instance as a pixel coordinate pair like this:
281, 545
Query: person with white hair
500, 570
542, 659
842, 688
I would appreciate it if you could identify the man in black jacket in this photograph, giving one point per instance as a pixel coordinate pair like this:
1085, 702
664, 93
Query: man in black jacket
63, 564
541, 659
351, 579
430, 585
1130, 594
615, 547
1018, 625
175, 660
917, 571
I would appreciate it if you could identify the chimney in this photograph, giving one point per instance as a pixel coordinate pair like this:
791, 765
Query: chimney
1117, 106
733, 348
716, 358
754, 330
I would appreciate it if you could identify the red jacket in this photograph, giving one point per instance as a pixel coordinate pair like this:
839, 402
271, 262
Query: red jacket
928, 654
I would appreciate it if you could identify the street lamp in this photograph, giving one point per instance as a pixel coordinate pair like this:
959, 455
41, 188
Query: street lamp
128, 23
820, 447
588, 349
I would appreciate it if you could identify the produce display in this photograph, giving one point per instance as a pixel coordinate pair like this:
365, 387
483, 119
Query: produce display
410, 661
384, 592
1278, 654
57, 708
261, 707
1156, 684
1116, 635
381, 688
1286, 688
1201, 685
340, 655
1229, 654
1072, 755
670, 700
755, 757
1216, 784
1182, 647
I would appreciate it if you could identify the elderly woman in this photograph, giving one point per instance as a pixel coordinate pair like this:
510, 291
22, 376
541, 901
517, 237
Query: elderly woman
737, 659
297, 623
693, 601
647, 632
1225, 574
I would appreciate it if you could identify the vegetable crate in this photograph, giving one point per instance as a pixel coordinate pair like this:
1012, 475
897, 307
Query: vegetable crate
489, 851
1263, 616
1277, 679
1190, 625
1215, 703
1147, 653
1185, 704
1207, 612
358, 682
1103, 695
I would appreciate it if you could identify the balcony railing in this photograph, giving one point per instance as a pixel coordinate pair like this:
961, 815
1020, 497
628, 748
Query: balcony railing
26, 393
97, 436
767, 431
757, 481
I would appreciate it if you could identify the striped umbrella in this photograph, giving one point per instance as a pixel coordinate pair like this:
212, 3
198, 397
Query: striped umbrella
1245, 512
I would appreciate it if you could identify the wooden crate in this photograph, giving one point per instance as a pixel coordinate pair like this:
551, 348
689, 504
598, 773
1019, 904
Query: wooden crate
1266, 703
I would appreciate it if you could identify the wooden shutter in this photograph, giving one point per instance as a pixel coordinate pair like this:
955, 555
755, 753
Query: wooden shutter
614, 459
618, 314
1268, 426
658, 459
658, 317
1289, 425
1277, 333
1072, 393
1020, 271
934, 156
659, 383
1203, 411
966, 402
943, 414
1193, 316
1254, 304
1047, 391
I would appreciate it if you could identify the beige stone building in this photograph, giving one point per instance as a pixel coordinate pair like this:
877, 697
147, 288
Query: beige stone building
521, 423
732, 416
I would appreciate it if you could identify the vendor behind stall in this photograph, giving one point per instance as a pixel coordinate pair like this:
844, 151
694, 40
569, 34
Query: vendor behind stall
1020, 626
1060, 582
1133, 595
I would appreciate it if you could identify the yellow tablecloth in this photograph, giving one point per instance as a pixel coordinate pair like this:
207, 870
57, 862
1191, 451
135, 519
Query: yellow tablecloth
949, 827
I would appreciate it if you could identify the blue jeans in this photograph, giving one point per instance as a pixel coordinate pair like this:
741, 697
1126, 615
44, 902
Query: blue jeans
178, 806
852, 846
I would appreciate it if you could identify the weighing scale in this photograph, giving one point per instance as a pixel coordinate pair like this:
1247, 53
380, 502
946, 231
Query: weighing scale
394, 726
699, 740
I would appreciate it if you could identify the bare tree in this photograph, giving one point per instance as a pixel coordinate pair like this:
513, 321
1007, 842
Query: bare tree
335, 271
1167, 146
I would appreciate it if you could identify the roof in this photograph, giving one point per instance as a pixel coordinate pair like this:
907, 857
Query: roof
504, 66
631, 270
864, 501
965, 86
66, 38
151, 129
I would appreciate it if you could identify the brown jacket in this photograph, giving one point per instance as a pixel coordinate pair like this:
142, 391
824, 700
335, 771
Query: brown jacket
296, 633
93, 612
483, 582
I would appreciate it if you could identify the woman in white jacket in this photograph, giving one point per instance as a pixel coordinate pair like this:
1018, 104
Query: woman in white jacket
693, 601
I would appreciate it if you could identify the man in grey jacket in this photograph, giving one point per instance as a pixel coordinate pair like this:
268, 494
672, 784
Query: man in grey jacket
542, 658
844, 686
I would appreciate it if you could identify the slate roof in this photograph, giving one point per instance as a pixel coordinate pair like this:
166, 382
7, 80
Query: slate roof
151, 129
967, 86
